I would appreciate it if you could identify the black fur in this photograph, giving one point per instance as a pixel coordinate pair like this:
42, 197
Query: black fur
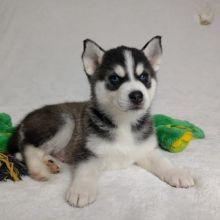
36, 128
82, 153
146, 82
99, 124
156, 37
113, 87
41, 125
143, 128
146, 132
141, 123
101, 117
13, 144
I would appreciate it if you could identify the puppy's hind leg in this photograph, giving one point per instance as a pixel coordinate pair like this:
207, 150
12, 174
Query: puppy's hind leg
35, 161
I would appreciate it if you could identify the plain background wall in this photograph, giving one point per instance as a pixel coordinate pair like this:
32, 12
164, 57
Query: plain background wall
41, 46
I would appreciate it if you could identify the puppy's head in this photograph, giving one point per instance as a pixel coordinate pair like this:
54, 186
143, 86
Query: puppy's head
123, 78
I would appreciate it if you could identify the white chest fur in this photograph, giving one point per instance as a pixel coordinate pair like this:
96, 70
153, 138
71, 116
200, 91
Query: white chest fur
123, 151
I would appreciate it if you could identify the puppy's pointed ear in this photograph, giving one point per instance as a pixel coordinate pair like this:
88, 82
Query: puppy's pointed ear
153, 51
92, 56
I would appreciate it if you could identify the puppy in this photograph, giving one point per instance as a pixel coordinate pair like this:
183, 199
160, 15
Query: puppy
112, 130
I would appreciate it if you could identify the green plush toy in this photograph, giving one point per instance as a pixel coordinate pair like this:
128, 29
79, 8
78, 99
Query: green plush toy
6, 130
10, 167
174, 135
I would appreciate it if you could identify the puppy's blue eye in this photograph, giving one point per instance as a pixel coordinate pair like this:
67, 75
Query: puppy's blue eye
143, 77
114, 79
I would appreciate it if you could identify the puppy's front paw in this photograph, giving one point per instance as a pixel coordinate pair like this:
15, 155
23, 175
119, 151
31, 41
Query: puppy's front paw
80, 196
178, 178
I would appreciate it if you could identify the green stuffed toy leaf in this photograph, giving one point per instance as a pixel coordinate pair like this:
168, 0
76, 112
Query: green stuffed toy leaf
174, 135
10, 167
6, 130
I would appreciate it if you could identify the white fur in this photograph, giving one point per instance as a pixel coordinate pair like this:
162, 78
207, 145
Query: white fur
126, 89
129, 62
92, 57
36, 156
117, 102
89, 66
83, 188
119, 70
153, 52
139, 69
19, 156
117, 155
123, 151
162, 167
110, 104
35, 162
152, 90
61, 139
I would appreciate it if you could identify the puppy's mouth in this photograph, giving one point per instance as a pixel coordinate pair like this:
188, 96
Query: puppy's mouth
130, 106
136, 107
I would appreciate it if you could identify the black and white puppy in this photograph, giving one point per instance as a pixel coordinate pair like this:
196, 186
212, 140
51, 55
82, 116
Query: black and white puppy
113, 130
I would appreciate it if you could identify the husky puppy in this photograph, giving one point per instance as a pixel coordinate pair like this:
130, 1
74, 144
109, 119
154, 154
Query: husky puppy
112, 130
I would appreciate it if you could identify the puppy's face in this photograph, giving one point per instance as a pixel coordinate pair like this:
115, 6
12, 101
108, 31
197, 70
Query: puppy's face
123, 78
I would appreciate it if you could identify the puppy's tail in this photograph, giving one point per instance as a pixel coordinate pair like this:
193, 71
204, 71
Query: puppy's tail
13, 144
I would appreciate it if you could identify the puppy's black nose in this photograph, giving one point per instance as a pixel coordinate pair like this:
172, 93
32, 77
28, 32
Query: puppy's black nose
136, 97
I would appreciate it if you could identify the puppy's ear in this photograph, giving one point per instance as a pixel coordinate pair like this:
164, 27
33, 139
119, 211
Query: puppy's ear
92, 56
153, 51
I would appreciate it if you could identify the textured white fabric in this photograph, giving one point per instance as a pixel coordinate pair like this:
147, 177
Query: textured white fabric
40, 49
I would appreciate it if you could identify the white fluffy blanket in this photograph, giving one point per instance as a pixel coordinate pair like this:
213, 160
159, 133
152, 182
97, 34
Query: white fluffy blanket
40, 48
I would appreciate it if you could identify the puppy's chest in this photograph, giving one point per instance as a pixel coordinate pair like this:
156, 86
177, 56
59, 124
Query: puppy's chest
122, 151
